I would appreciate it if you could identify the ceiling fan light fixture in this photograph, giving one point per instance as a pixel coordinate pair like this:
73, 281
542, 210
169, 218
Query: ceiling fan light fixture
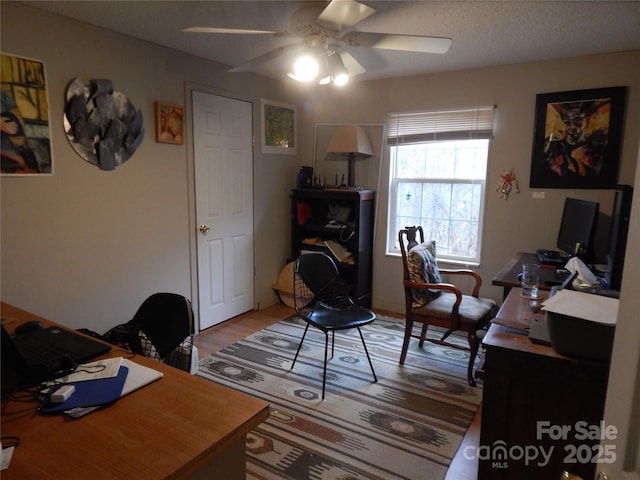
305, 68
341, 79
319, 26
337, 70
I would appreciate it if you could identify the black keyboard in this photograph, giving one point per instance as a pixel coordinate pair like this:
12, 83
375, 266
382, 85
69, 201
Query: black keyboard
552, 258
37, 354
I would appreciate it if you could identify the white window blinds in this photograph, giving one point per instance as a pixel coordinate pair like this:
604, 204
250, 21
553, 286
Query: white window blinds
419, 127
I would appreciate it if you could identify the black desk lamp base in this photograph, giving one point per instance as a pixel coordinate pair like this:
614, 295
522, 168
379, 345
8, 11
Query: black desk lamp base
351, 172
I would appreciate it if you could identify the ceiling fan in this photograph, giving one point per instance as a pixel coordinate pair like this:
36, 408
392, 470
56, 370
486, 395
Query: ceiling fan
320, 26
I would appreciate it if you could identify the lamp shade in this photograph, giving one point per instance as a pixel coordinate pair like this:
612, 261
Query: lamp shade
351, 140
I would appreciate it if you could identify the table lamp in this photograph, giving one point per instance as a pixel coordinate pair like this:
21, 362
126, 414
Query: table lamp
351, 140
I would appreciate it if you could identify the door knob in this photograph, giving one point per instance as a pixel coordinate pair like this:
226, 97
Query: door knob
203, 229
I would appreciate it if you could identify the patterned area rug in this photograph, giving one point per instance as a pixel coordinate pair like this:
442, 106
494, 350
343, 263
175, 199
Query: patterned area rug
408, 425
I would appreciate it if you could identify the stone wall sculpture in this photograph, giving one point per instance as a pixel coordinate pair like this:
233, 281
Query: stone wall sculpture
101, 124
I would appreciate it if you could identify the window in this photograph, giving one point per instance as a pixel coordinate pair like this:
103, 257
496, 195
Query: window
438, 178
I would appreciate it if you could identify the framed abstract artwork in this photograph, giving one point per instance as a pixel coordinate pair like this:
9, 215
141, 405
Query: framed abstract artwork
169, 123
279, 133
577, 138
26, 132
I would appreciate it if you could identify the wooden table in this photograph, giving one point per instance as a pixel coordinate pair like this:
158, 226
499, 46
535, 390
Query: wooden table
181, 426
526, 383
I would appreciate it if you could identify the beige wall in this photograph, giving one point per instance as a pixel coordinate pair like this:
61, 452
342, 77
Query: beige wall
520, 223
85, 247
623, 393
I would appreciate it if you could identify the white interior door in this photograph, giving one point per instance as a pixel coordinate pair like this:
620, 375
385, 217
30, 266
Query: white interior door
223, 157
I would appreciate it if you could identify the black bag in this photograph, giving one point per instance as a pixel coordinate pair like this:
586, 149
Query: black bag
124, 336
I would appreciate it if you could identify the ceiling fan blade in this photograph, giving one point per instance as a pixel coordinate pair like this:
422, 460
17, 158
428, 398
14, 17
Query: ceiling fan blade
408, 43
344, 13
270, 55
224, 30
351, 64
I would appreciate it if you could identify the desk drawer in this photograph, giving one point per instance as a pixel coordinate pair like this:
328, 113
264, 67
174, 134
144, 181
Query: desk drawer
522, 389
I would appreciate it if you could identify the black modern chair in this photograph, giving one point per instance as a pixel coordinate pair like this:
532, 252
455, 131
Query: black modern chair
322, 300
163, 329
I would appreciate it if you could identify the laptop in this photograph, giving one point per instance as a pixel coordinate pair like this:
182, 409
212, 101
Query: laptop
44, 354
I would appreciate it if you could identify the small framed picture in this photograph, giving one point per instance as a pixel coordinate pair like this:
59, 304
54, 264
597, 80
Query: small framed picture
278, 127
577, 138
169, 123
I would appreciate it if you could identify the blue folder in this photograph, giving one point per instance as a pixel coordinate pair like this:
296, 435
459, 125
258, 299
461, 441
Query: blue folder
91, 393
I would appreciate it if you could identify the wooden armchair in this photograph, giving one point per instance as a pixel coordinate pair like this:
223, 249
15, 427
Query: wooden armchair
431, 302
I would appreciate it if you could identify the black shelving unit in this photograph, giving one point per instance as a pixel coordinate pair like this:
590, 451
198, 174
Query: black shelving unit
311, 213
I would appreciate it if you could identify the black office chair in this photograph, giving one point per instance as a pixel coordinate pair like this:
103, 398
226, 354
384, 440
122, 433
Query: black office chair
322, 300
163, 329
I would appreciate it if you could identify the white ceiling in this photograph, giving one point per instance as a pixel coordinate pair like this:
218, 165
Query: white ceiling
484, 33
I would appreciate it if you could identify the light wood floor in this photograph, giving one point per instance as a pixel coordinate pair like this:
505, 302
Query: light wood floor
215, 338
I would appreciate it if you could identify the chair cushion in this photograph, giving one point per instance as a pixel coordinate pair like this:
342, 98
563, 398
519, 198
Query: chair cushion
472, 310
326, 318
423, 268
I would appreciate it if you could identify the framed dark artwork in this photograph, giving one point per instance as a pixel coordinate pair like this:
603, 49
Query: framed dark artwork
577, 138
26, 133
169, 123
279, 133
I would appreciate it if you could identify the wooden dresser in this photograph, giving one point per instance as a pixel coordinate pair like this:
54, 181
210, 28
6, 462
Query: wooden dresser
536, 403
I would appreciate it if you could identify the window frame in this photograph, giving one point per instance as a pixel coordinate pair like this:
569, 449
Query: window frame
458, 125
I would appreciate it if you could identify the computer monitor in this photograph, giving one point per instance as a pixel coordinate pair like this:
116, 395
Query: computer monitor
618, 235
578, 227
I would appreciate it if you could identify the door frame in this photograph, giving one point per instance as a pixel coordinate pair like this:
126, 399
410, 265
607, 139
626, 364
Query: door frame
622, 406
191, 185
